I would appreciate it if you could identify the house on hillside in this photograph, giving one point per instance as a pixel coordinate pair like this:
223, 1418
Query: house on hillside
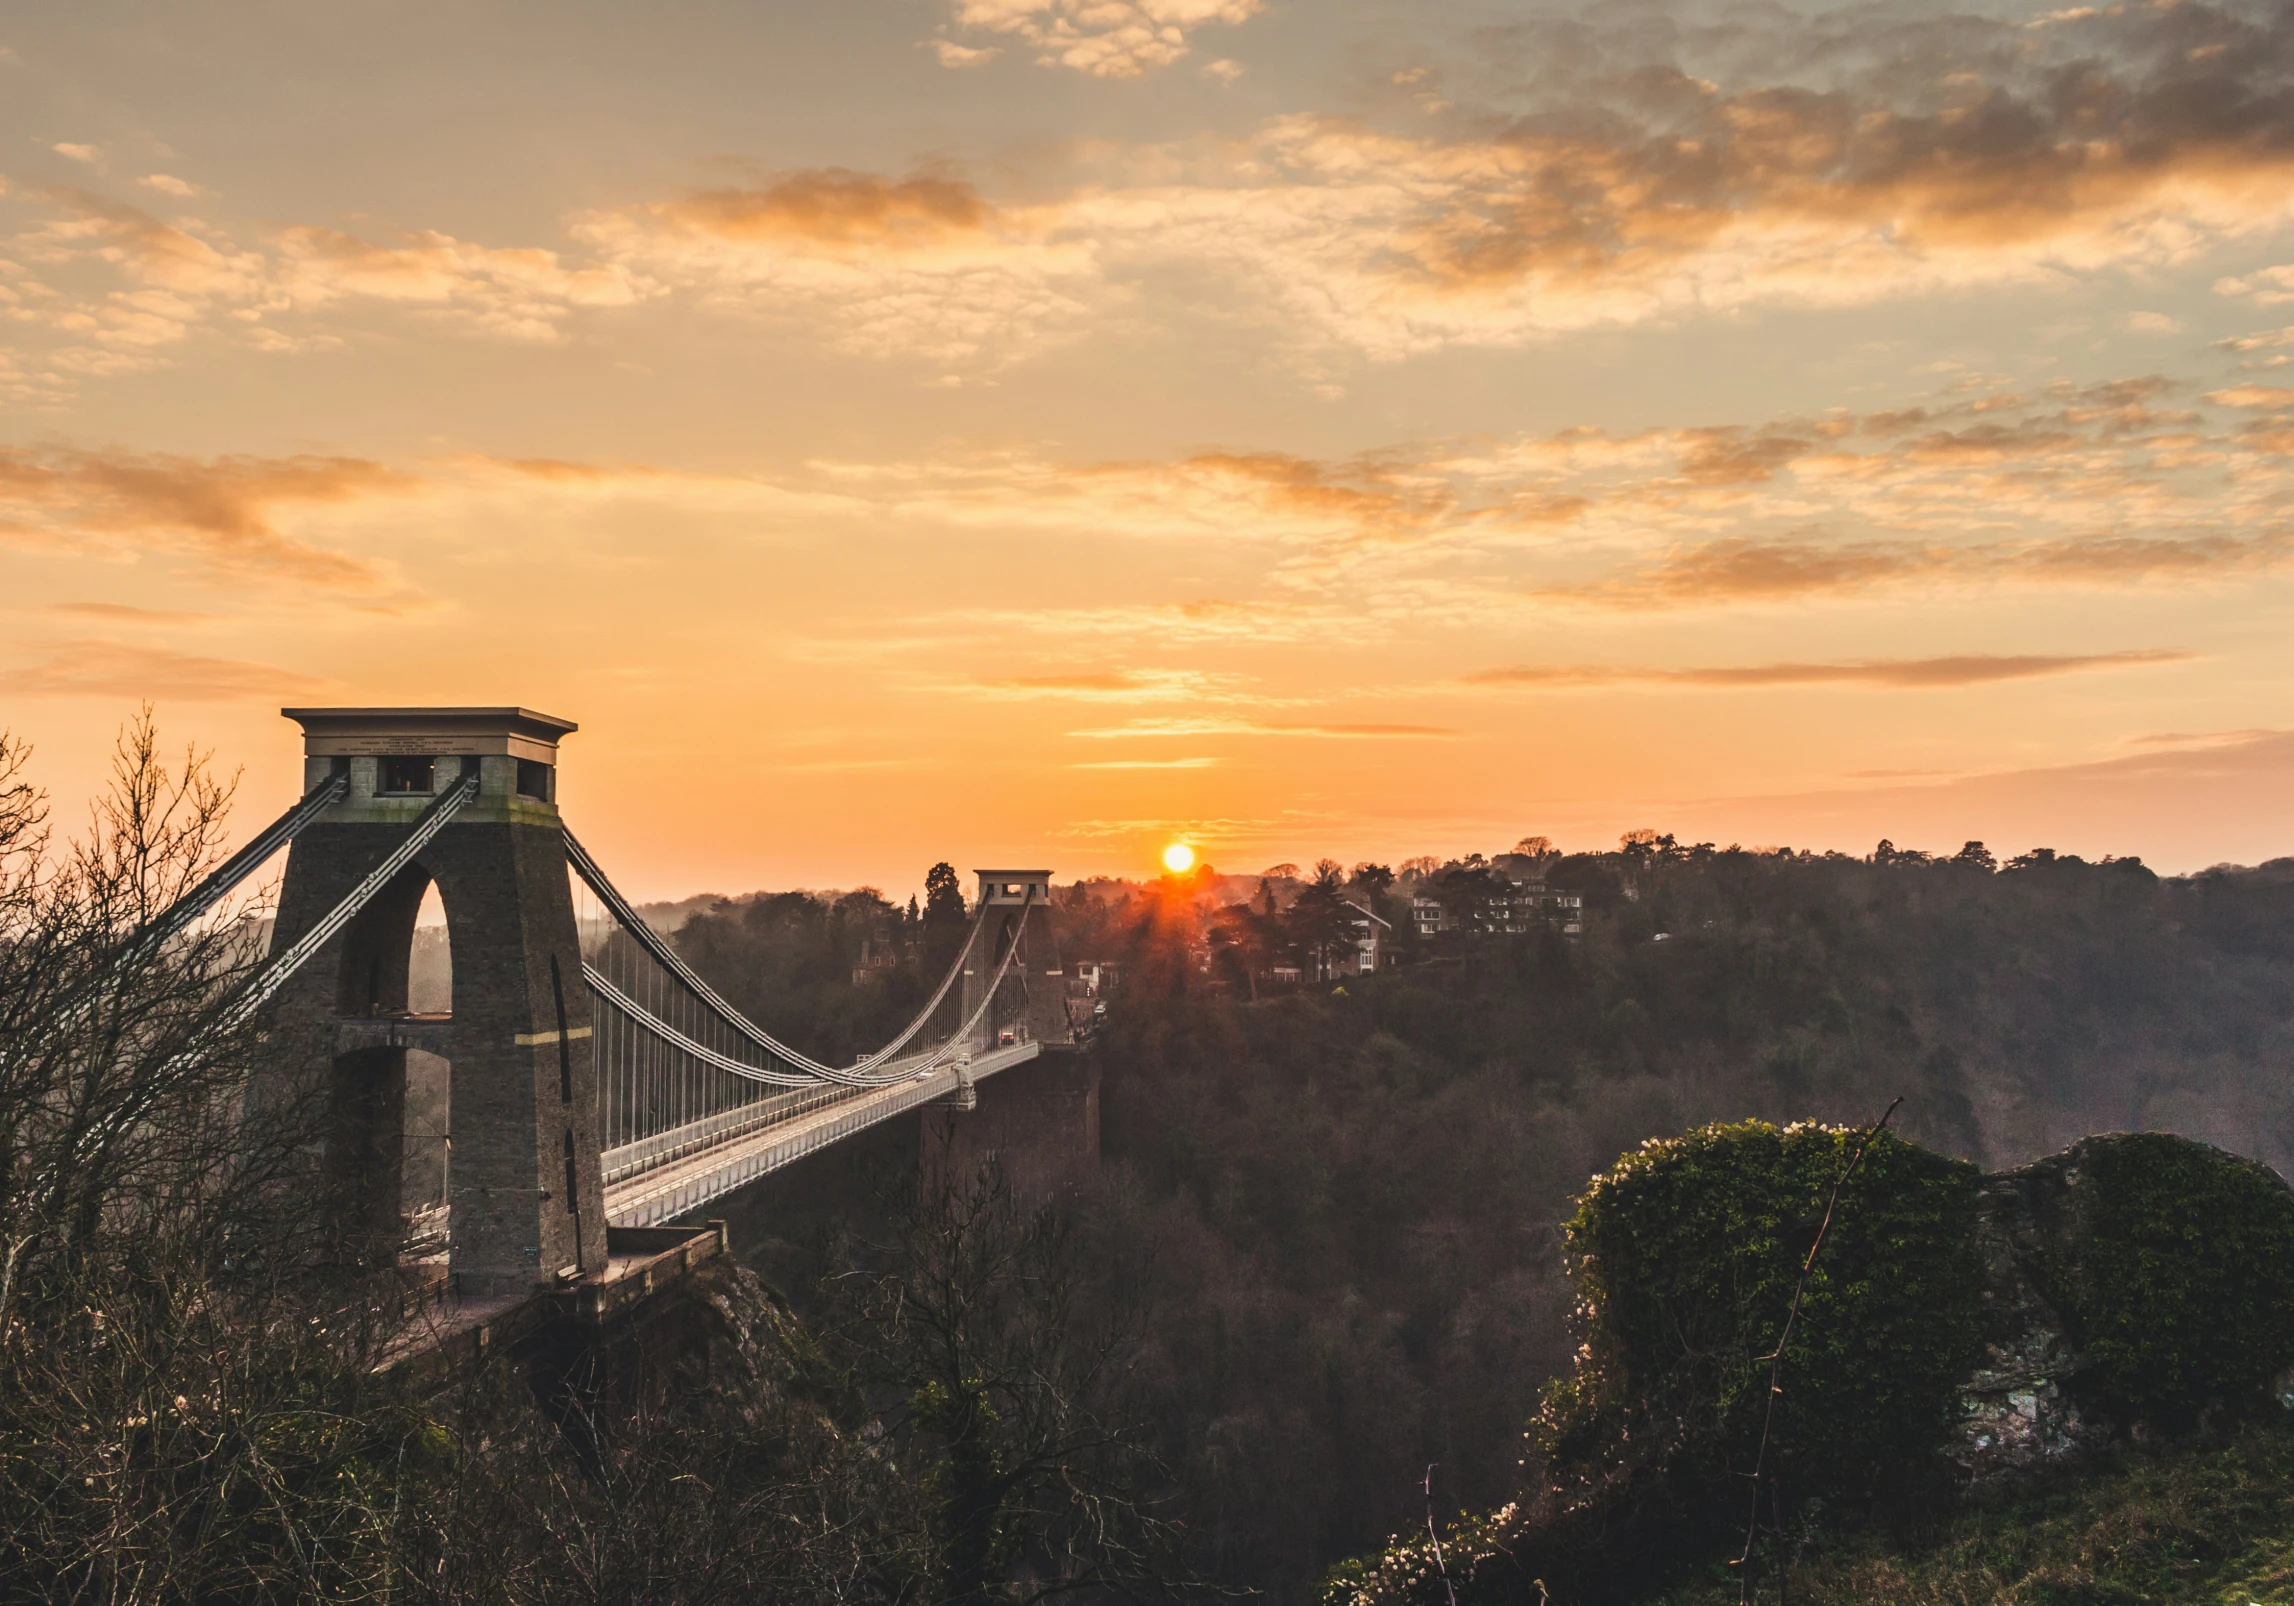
1508, 898
1533, 901
1536, 904
1369, 941
1430, 915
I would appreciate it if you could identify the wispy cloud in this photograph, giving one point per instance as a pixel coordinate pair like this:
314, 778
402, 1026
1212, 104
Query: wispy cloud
2100, 485
1148, 764
223, 512
1112, 685
518, 294
921, 266
1970, 669
120, 613
1213, 726
169, 279
98, 668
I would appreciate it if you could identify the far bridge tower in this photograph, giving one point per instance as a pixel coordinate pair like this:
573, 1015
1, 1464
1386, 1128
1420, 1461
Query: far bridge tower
1031, 1005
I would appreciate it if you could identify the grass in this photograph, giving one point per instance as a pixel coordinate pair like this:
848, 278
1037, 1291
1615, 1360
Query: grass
2210, 1524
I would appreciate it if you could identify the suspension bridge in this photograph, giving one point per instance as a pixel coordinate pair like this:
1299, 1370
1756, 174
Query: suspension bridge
598, 1089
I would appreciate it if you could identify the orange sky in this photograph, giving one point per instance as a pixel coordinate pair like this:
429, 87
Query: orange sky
1031, 430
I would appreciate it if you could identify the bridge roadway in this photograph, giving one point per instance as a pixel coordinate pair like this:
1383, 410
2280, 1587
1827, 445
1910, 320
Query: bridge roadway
656, 1183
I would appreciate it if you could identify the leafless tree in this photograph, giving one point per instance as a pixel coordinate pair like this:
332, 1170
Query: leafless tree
970, 1330
179, 1414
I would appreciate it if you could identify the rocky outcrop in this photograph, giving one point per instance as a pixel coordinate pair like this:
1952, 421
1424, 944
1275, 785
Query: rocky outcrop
2020, 1413
2023, 1406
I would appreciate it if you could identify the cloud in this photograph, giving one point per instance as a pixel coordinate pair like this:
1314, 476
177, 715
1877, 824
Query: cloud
122, 613
97, 668
222, 511
1751, 569
2123, 560
88, 154
1744, 570
2265, 287
176, 277
1961, 153
2265, 340
168, 184
1975, 669
1957, 152
2269, 396
1140, 728
1193, 623
952, 54
2097, 485
521, 294
1149, 764
837, 207
1103, 38
1114, 685
1818, 164
920, 266
1258, 496
185, 275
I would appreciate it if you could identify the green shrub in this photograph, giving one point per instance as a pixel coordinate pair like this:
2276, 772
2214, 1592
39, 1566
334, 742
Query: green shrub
2180, 1290
1686, 1254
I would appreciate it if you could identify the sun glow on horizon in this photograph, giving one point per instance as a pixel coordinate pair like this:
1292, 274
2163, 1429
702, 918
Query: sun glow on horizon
1178, 858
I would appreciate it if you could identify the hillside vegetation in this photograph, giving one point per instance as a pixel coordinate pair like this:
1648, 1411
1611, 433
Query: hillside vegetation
2198, 1523
1359, 1193
1343, 1202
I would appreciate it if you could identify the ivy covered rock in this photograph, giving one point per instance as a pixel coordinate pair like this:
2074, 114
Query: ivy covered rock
2135, 1282
1954, 1324
1686, 1254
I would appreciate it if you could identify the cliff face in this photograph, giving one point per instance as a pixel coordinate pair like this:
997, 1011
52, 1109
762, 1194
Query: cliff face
2072, 1308
2020, 1409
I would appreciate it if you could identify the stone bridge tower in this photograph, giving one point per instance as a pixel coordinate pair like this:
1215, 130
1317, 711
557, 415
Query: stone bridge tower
1032, 1003
526, 1206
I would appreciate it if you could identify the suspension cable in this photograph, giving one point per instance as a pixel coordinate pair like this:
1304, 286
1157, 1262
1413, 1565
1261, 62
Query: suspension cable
858, 1075
647, 1020
995, 983
276, 974
238, 867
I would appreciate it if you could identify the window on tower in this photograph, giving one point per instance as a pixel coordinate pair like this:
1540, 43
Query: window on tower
407, 775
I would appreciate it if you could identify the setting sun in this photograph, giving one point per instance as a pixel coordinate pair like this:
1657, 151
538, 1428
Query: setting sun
1178, 858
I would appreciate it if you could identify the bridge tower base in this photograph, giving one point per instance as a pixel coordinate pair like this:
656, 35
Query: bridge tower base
1037, 1123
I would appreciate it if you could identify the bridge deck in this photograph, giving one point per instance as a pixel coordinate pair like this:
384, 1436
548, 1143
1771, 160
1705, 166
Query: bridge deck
666, 1192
